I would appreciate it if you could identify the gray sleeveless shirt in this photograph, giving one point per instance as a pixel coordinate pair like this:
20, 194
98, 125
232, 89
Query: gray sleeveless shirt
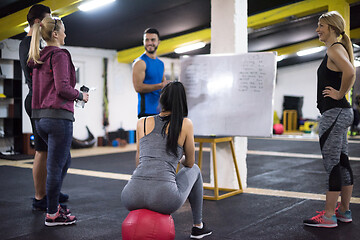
155, 163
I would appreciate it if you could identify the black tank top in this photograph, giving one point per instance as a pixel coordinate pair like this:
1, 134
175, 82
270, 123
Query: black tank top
327, 77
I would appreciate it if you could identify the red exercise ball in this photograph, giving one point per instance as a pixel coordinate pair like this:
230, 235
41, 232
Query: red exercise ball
144, 224
278, 128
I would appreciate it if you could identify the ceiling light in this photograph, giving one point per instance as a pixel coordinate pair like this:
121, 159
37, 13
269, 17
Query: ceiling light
91, 5
310, 51
190, 47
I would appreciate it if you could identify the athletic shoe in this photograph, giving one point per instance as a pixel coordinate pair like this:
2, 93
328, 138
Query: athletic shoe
197, 233
321, 221
337, 206
64, 209
63, 197
41, 205
343, 216
59, 219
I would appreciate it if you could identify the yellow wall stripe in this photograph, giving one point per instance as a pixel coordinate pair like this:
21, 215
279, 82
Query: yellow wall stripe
299, 9
277, 15
166, 46
15, 23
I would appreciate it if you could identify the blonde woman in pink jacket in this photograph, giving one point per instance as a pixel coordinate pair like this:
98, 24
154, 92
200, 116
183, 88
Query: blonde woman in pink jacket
53, 109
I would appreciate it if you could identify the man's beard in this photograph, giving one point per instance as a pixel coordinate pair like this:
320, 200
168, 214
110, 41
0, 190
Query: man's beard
151, 52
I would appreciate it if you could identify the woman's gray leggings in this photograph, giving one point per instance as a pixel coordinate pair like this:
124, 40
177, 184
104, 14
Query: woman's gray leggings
333, 128
165, 196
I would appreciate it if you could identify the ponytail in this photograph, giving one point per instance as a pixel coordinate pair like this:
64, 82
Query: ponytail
34, 51
43, 30
173, 99
348, 46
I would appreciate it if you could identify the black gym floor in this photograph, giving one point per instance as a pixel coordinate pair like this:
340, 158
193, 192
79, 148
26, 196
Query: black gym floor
285, 176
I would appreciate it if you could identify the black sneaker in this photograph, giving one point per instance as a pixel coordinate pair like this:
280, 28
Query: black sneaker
59, 219
197, 233
63, 197
39, 205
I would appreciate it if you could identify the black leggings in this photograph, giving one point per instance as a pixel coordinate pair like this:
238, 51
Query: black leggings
40, 145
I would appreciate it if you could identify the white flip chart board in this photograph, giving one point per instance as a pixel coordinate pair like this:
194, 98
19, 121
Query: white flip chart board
230, 94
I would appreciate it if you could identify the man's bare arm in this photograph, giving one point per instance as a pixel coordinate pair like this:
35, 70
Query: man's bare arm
138, 75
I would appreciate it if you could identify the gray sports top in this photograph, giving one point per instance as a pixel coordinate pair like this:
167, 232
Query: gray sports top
154, 162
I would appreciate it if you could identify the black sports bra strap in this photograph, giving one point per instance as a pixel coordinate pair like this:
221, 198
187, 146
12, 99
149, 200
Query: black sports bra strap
145, 126
338, 43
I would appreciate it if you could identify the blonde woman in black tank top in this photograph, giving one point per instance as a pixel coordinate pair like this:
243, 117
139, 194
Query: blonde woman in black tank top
336, 76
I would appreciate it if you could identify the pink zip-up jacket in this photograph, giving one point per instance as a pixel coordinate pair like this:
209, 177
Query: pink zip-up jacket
53, 85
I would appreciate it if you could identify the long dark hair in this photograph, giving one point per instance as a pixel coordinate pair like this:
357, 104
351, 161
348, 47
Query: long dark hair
173, 99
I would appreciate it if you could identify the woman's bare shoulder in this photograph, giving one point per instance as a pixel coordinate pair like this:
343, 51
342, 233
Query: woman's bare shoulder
336, 50
187, 121
187, 125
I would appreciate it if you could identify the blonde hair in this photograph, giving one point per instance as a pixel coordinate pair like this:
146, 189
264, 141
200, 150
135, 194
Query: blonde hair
43, 30
337, 23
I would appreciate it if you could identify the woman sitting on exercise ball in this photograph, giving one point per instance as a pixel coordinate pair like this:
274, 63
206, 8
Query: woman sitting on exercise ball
162, 140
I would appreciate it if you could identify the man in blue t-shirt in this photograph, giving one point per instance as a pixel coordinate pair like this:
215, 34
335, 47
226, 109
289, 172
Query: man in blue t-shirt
148, 75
